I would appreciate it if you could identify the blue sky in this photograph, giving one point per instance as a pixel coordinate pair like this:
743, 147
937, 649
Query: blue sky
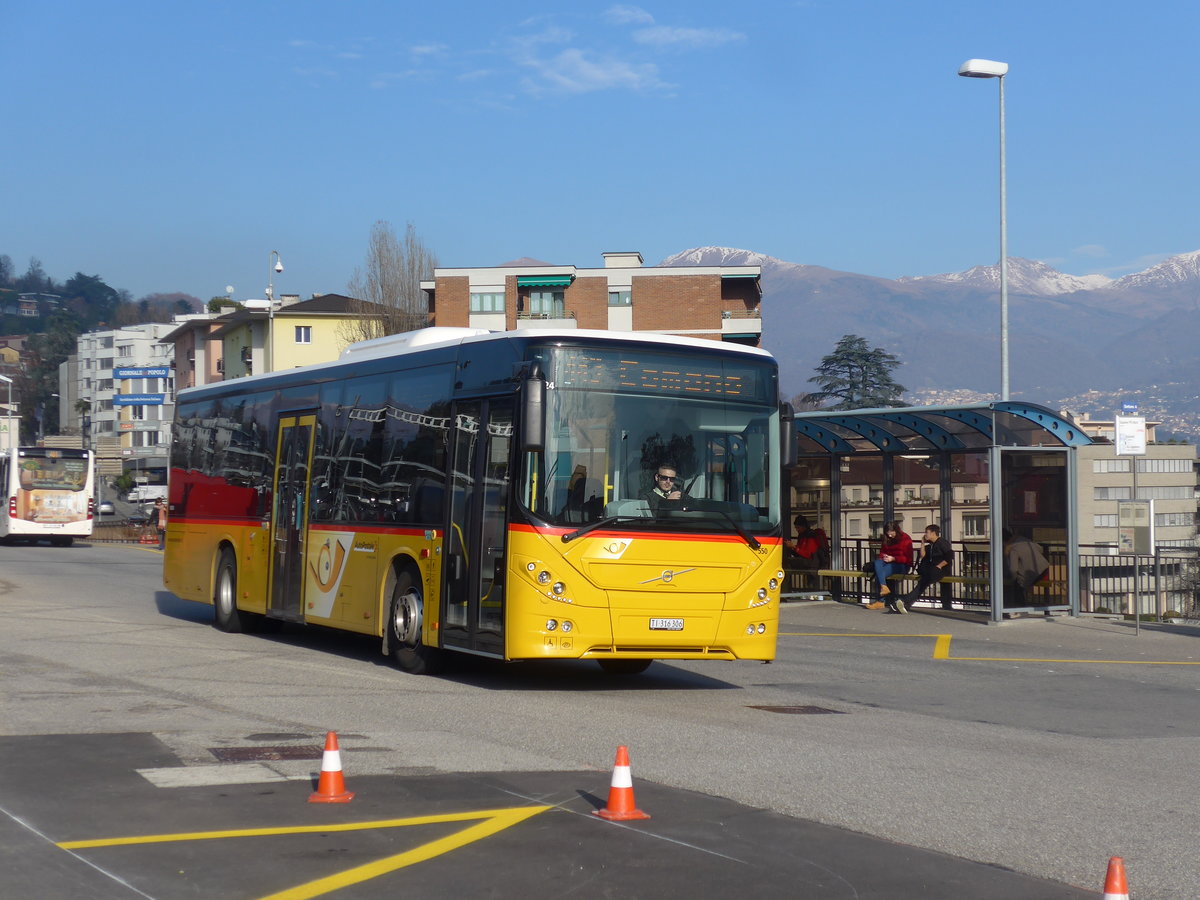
173, 146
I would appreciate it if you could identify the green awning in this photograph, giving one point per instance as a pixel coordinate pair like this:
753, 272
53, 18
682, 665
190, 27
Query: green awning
543, 281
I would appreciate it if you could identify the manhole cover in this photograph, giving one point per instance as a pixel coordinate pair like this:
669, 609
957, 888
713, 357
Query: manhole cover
264, 754
800, 710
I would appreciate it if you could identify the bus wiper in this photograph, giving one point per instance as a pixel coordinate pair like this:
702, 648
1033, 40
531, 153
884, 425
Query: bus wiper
599, 523
742, 532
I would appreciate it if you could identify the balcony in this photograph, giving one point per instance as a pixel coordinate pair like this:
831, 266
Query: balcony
557, 319
741, 321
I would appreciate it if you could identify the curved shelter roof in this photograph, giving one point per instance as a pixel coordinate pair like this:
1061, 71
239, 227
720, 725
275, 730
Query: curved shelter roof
918, 429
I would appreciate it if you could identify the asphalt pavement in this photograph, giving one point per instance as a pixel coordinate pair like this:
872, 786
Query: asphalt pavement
83, 816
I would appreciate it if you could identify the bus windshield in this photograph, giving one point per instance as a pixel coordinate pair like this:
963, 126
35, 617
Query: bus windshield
621, 423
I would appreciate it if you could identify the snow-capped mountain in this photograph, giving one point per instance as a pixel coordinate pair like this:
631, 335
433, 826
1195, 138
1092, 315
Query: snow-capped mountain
1025, 276
1169, 272
722, 256
1068, 334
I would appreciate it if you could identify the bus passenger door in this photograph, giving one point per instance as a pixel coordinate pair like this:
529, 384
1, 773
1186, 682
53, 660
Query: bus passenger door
473, 580
289, 515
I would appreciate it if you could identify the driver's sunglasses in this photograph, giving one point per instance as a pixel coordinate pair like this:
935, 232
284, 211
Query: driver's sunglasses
666, 478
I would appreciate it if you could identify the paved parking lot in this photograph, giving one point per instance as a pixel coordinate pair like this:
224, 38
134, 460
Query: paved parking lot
82, 818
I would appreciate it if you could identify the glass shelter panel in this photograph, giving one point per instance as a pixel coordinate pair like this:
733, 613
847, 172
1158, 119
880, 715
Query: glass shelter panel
1035, 508
917, 492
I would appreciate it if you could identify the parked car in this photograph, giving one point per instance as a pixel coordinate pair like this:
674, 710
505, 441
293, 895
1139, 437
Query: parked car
106, 508
141, 516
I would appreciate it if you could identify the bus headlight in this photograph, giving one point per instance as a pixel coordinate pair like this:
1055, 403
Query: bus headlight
772, 584
762, 593
559, 588
749, 629
566, 627
551, 624
762, 629
529, 567
543, 577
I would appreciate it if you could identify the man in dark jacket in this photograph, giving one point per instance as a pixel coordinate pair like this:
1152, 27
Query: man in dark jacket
934, 565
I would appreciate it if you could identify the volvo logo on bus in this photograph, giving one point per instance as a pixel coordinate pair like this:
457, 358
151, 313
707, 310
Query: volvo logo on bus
668, 576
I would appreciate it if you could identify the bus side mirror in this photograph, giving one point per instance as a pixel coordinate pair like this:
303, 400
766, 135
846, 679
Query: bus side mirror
787, 420
533, 416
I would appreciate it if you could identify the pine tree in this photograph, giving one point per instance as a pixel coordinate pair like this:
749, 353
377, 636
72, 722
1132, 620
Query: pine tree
856, 376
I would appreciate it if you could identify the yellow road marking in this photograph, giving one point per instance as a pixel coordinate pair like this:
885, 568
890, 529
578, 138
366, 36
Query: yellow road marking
941, 650
493, 821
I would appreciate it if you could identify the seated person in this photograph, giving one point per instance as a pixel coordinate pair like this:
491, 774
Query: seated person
810, 549
666, 488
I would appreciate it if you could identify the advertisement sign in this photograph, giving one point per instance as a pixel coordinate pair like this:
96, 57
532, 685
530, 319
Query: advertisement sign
143, 372
139, 399
1135, 527
1129, 435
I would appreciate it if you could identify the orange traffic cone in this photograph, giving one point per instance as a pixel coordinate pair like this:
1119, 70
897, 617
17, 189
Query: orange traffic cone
1115, 885
620, 795
332, 786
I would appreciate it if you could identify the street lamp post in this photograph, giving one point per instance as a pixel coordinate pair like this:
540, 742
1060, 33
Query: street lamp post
987, 68
272, 271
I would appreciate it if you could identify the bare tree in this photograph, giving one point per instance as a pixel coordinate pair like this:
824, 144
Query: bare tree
387, 289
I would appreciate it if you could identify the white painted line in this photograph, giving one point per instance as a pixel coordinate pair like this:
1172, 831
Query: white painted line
209, 776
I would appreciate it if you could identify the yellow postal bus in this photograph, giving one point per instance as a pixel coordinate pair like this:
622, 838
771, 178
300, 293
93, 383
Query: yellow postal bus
490, 493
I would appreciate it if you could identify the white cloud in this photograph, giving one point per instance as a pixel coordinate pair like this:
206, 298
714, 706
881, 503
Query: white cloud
387, 79
690, 38
427, 49
628, 15
1094, 251
575, 71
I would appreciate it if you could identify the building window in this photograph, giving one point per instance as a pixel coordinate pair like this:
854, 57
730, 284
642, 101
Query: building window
1104, 521
1110, 465
487, 302
1164, 465
1111, 493
975, 526
1168, 492
620, 298
1174, 520
303, 334
550, 304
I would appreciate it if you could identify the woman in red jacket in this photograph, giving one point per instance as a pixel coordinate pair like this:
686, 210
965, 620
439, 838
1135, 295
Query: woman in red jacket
895, 556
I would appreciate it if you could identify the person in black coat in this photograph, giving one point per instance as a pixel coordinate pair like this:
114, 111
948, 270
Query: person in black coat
934, 565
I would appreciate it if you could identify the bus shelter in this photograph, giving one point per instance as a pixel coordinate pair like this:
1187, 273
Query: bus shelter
984, 473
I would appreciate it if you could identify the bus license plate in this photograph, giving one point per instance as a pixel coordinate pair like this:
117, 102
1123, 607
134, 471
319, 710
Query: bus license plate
666, 624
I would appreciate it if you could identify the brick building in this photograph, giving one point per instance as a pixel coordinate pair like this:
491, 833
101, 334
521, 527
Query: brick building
721, 303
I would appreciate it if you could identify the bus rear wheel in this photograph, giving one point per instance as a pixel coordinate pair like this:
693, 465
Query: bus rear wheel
226, 616
624, 666
405, 624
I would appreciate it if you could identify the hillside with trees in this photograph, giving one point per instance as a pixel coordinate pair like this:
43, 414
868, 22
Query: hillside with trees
52, 315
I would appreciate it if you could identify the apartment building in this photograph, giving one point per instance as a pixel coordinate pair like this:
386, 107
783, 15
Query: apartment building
1166, 474
127, 379
721, 303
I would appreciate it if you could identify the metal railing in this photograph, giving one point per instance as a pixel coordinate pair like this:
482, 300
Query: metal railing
1162, 587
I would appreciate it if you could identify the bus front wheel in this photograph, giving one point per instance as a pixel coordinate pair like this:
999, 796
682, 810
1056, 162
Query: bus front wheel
405, 619
225, 612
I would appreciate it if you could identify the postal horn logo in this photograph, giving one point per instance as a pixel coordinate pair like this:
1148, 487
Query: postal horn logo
327, 568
